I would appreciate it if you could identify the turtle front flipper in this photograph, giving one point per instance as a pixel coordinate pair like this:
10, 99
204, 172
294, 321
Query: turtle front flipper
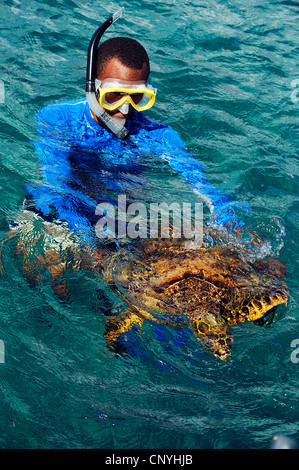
117, 325
213, 332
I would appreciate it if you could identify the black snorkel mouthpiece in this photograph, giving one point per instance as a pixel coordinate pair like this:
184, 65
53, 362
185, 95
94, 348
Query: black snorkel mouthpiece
91, 72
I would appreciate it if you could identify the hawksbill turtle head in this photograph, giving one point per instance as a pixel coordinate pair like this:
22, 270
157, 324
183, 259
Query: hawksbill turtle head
217, 288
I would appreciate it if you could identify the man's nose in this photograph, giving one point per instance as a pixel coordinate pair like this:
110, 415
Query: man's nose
124, 108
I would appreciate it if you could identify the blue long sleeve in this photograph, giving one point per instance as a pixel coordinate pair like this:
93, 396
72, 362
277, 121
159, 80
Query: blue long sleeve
170, 147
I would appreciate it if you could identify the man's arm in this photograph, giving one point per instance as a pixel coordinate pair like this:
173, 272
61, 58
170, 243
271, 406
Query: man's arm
46, 247
171, 148
45, 250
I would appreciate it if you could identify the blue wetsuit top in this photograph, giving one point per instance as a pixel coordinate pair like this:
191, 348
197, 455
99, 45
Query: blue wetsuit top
83, 164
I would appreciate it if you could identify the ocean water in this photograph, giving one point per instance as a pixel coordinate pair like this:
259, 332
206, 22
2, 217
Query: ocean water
227, 77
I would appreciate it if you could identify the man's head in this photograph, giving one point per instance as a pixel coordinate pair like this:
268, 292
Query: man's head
128, 51
122, 58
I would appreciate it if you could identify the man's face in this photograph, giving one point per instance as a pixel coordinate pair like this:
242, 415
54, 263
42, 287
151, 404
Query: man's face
115, 69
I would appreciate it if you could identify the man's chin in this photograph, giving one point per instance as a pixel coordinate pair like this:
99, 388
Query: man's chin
120, 120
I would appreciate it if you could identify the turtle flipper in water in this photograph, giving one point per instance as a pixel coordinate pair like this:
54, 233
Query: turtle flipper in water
209, 328
213, 332
117, 325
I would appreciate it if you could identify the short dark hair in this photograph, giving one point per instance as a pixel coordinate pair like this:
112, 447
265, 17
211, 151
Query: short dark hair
127, 50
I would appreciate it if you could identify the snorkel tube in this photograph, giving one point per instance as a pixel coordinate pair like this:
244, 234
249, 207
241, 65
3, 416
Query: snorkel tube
112, 124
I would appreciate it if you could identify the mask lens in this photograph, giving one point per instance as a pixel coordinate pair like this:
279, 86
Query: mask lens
141, 99
110, 96
137, 97
113, 96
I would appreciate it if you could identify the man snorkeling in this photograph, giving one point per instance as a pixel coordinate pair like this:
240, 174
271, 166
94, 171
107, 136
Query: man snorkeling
95, 148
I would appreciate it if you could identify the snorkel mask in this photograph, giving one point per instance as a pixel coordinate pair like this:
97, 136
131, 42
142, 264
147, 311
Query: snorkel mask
115, 94
111, 94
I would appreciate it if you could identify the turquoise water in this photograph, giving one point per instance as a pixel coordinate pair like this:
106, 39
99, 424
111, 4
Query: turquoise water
225, 74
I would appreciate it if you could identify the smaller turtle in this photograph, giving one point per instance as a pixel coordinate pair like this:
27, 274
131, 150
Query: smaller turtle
207, 289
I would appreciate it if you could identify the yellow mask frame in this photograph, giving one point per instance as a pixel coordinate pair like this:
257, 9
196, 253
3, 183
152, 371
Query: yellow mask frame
146, 100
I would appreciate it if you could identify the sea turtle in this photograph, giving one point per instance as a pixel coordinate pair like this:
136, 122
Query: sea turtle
207, 289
